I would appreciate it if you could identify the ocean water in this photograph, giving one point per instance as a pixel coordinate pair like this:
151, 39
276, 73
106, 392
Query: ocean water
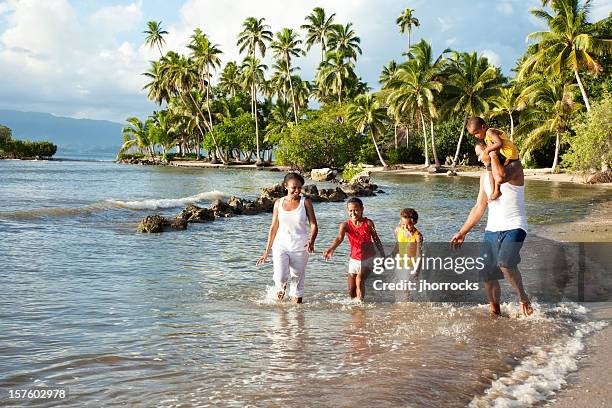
187, 319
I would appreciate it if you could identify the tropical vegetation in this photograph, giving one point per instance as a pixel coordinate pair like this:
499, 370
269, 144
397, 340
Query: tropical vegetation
244, 111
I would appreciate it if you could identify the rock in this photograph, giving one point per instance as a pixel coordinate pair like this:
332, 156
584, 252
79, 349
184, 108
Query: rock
311, 191
276, 191
237, 204
451, 173
600, 177
151, 224
221, 208
361, 178
332, 195
250, 209
176, 223
264, 204
324, 174
359, 190
432, 169
155, 224
193, 213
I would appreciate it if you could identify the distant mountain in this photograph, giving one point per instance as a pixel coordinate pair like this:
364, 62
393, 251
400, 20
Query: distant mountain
67, 133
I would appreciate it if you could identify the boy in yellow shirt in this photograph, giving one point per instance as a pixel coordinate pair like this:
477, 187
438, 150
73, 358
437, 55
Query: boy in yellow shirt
496, 141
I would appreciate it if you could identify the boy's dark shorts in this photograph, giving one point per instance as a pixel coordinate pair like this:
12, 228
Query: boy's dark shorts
501, 248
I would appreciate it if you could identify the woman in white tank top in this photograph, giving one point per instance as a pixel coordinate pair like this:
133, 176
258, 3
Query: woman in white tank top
289, 238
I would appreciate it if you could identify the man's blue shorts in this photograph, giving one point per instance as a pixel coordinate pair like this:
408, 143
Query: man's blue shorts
501, 248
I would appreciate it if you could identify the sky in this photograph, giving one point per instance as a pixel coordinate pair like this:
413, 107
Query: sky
85, 58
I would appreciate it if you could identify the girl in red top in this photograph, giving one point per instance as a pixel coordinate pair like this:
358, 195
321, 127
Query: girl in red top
361, 234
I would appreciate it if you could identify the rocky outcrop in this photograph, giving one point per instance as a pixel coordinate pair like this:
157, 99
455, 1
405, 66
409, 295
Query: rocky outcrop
324, 174
239, 206
600, 177
156, 223
361, 178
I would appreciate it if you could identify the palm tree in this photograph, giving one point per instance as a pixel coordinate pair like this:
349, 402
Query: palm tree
366, 114
387, 73
318, 29
568, 45
181, 78
157, 89
551, 110
506, 103
136, 134
344, 41
334, 73
412, 89
470, 83
253, 71
255, 35
206, 57
406, 21
281, 81
229, 80
285, 47
155, 35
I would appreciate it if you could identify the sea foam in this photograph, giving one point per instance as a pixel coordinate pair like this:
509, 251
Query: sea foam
154, 204
540, 375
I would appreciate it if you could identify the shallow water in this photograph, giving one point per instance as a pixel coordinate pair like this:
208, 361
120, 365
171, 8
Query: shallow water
185, 318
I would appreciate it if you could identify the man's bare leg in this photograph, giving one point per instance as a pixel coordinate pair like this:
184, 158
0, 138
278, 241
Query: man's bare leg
513, 275
493, 294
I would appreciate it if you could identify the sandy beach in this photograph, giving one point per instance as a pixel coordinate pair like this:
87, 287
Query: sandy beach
591, 385
412, 169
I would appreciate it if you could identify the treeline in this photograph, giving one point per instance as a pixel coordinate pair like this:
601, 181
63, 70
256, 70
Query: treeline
23, 149
256, 112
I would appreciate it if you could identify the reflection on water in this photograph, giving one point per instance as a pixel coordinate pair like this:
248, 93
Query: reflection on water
184, 318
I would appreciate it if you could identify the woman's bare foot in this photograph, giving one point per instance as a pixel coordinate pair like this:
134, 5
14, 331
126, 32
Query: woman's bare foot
280, 295
296, 299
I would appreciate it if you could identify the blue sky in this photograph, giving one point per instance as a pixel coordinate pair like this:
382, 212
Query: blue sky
84, 58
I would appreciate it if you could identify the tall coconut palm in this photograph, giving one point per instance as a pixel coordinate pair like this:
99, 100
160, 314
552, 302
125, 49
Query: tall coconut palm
281, 81
253, 73
155, 35
255, 35
318, 29
344, 41
157, 89
470, 83
387, 73
287, 45
366, 114
206, 58
406, 21
334, 73
507, 103
551, 108
230, 78
568, 46
413, 87
181, 78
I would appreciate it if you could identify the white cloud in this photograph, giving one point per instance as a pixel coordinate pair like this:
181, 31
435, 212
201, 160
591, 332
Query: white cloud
504, 8
118, 18
450, 41
600, 9
492, 56
446, 23
48, 56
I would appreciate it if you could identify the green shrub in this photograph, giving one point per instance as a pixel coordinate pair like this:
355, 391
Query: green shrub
350, 170
591, 147
319, 142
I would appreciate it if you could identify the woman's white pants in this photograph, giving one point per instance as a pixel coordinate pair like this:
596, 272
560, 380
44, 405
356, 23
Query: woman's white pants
289, 264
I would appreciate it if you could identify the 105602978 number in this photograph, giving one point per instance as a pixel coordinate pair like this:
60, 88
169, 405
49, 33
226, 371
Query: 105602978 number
37, 393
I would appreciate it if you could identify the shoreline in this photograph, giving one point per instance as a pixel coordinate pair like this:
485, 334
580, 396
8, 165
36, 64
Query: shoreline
591, 384
543, 174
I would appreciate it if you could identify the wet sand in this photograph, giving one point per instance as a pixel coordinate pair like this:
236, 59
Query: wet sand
591, 385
